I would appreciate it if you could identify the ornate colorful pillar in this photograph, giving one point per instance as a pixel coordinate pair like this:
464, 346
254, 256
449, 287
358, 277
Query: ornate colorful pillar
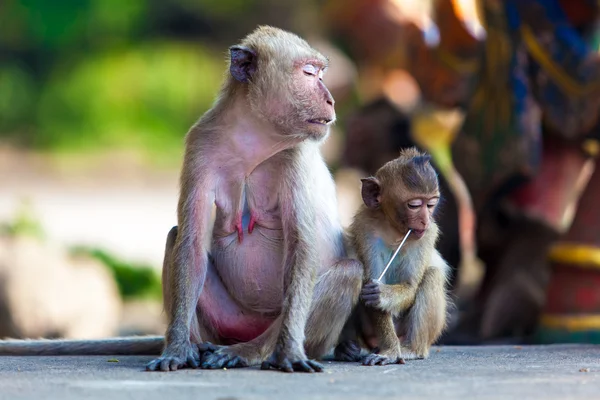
572, 310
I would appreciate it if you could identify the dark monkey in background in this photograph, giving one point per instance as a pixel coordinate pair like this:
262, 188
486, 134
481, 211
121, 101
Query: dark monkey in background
270, 281
402, 316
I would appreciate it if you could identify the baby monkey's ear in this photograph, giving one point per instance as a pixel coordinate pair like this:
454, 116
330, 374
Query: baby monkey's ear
371, 192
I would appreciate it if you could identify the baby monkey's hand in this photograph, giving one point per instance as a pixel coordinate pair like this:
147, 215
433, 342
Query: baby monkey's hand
375, 294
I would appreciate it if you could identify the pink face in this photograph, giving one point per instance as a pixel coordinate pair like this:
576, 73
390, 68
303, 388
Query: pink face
418, 213
313, 109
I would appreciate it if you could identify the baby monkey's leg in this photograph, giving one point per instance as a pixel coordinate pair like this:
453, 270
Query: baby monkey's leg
426, 319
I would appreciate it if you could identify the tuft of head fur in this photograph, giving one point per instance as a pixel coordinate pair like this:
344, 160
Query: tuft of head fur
274, 43
415, 169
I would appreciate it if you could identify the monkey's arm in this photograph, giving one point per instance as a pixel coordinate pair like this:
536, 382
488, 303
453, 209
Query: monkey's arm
389, 298
369, 253
395, 298
187, 265
300, 264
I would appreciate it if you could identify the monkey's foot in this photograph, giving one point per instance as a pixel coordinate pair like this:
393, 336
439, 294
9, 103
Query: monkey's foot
283, 361
408, 354
216, 357
348, 351
380, 359
175, 357
208, 347
291, 366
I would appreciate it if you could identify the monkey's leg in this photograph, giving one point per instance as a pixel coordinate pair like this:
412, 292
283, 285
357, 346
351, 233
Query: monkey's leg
335, 296
348, 348
348, 351
426, 319
358, 334
215, 308
336, 292
220, 320
389, 351
190, 357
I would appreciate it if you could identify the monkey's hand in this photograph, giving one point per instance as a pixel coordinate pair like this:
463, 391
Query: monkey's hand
378, 295
288, 359
176, 355
388, 298
371, 294
383, 358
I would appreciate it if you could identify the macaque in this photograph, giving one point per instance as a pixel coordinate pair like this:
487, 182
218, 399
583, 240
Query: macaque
404, 314
270, 282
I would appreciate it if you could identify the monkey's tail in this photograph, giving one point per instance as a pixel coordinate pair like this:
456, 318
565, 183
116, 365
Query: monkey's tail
124, 346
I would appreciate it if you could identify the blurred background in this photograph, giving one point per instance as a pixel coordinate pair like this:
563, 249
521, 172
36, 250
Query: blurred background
96, 97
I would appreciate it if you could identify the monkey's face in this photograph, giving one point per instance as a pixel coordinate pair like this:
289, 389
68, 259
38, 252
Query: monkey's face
406, 210
303, 107
284, 79
312, 104
417, 213
406, 190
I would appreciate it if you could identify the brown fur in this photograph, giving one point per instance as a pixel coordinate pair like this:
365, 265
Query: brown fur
411, 301
270, 281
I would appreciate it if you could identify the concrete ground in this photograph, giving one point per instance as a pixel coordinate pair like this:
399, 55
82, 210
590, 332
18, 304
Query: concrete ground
494, 372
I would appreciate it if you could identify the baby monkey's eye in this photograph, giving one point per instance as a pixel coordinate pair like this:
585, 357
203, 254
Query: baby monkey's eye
415, 204
310, 69
432, 203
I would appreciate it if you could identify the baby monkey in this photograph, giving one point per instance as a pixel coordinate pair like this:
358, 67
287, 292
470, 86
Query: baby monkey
404, 314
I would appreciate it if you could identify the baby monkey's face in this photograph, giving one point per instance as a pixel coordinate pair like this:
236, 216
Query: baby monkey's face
418, 213
410, 210
407, 191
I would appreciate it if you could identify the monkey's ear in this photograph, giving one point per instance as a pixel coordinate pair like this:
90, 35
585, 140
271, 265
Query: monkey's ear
243, 63
371, 192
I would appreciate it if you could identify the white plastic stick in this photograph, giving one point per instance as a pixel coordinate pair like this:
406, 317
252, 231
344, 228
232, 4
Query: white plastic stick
393, 256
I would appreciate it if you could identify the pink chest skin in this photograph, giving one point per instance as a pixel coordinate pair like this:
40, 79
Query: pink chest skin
247, 251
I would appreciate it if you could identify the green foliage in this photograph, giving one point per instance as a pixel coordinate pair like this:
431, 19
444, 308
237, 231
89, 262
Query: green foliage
65, 24
133, 280
88, 75
17, 97
24, 224
137, 98
219, 8
81, 76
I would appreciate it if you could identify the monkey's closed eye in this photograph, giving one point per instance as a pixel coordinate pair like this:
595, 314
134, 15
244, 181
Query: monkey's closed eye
415, 204
432, 203
310, 69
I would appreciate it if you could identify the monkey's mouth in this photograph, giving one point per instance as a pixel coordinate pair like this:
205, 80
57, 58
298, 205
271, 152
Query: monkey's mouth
320, 121
418, 233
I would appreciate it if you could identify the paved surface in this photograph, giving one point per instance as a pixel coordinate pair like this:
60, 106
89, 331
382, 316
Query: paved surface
495, 372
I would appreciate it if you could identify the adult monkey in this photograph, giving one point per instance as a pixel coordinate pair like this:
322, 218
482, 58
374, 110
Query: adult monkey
273, 282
